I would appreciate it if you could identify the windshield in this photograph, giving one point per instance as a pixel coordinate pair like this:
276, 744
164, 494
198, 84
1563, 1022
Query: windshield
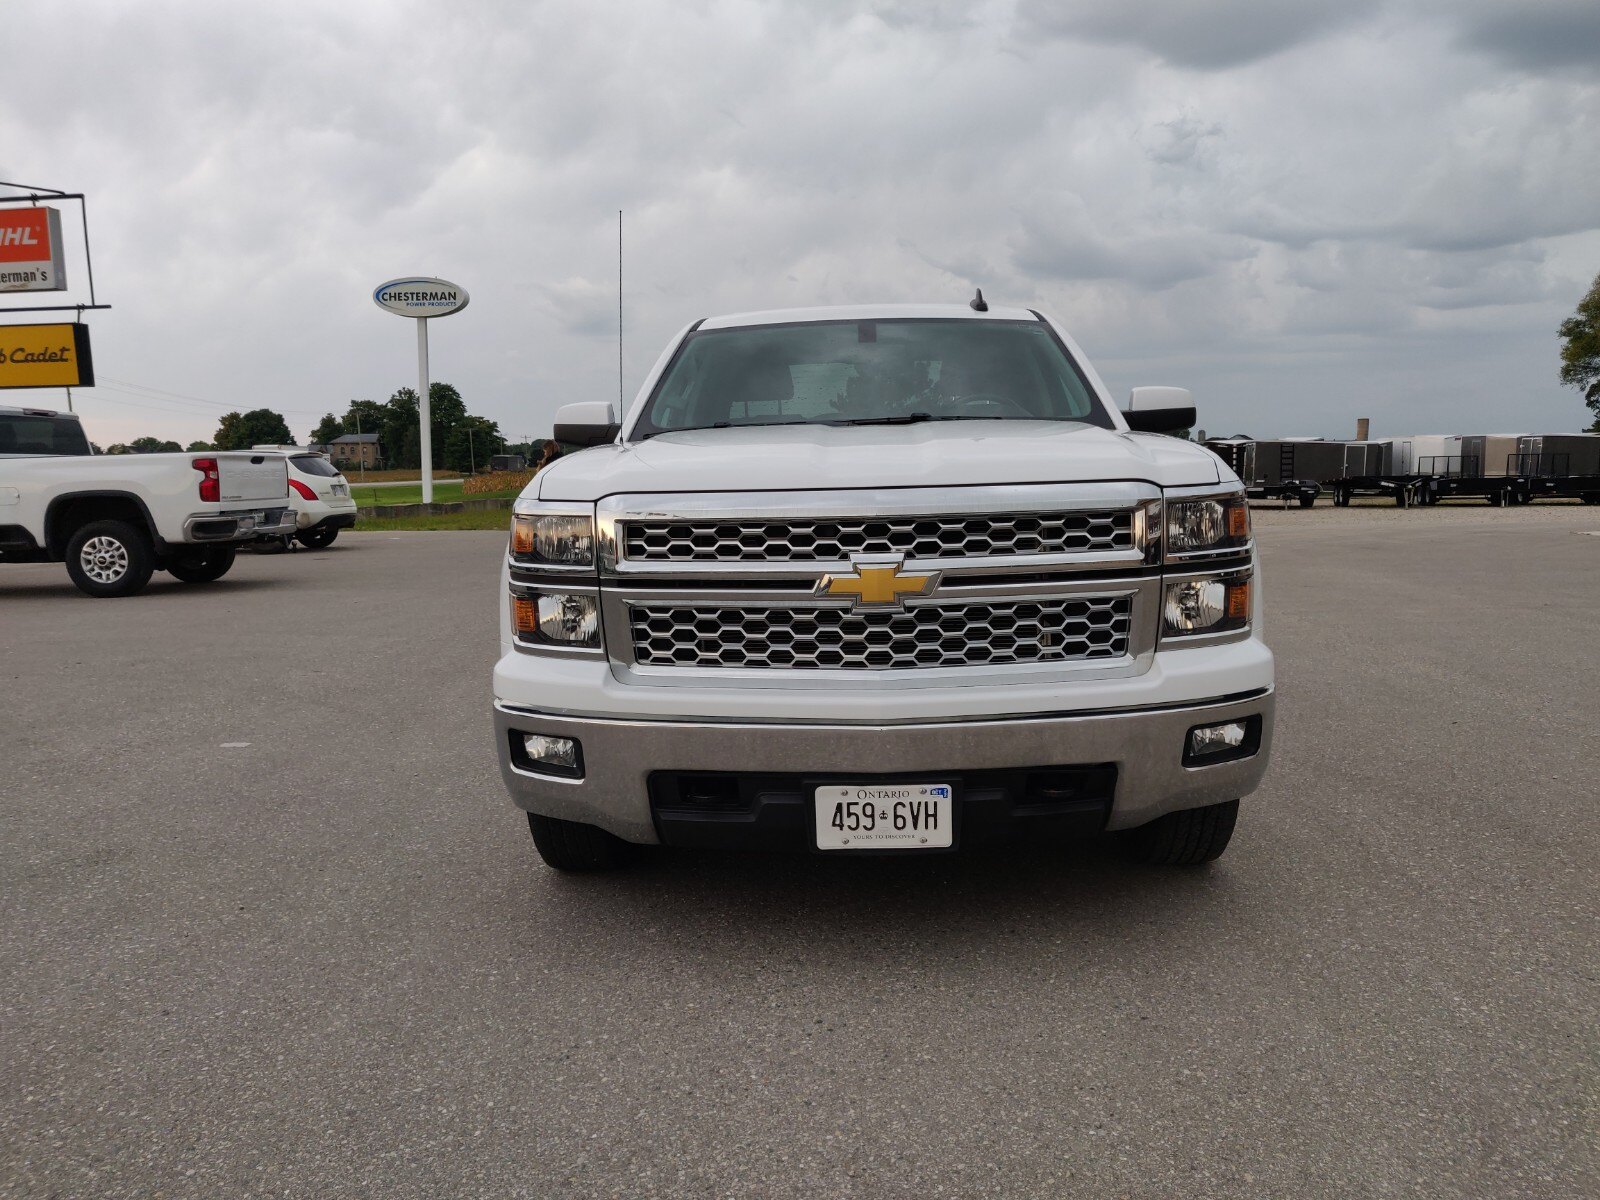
37, 433
870, 372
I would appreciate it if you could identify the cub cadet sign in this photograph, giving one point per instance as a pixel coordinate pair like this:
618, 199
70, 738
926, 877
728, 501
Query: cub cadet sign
33, 356
30, 251
420, 297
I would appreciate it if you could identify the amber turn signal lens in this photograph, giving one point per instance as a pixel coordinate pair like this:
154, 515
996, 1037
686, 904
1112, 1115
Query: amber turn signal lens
524, 615
522, 535
1238, 601
1238, 520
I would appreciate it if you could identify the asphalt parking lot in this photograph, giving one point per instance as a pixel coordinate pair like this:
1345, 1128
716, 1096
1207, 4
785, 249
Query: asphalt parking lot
270, 925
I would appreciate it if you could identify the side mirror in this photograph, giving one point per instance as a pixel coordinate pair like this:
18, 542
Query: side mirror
1159, 410
592, 423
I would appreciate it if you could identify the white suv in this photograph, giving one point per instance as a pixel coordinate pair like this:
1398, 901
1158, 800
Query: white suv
320, 496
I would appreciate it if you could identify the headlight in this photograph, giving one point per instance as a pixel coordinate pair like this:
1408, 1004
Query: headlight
1214, 605
554, 539
1196, 525
566, 619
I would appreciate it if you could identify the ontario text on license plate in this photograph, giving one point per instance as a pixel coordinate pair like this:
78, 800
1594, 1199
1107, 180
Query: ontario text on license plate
897, 816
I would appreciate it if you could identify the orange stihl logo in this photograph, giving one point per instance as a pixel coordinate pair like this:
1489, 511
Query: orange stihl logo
25, 236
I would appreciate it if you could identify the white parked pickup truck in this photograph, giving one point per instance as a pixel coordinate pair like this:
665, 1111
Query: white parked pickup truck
115, 519
887, 579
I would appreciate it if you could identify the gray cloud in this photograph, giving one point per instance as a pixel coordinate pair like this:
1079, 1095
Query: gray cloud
1347, 205
1213, 36
1535, 35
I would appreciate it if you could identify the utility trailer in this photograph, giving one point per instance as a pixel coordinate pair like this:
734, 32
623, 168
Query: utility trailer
1269, 470
1561, 465
1397, 468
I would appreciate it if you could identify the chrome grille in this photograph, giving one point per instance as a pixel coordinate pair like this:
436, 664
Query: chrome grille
982, 633
1001, 535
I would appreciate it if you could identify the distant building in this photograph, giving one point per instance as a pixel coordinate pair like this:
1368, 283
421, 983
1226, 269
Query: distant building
355, 450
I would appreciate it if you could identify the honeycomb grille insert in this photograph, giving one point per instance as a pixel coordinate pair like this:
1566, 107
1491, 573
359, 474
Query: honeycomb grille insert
835, 639
988, 536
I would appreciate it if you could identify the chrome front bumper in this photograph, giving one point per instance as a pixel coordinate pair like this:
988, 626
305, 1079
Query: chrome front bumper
1145, 744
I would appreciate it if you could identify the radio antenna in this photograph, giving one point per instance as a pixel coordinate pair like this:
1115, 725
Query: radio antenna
619, 313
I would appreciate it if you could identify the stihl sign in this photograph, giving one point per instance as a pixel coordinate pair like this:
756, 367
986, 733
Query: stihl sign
30, 251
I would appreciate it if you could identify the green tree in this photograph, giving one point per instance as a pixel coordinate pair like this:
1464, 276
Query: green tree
469, 445
401, 433
327, 429
1580, 357
199, 447
258, 427
150, 445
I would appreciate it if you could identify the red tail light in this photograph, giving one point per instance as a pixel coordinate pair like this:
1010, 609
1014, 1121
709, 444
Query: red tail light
302, 489
210, 479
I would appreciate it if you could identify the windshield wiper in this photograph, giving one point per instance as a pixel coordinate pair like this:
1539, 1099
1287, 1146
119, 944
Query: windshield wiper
721, 425
899, 419
915, 418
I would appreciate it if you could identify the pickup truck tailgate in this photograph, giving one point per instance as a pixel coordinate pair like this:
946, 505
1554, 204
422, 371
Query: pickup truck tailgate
248, 478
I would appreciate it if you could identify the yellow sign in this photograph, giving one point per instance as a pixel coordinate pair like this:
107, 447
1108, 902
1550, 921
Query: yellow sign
36, 356
878, 586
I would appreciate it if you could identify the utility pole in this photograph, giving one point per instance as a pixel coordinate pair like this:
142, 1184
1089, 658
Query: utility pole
361, 458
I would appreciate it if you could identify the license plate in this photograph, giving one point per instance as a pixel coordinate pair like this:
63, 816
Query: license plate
896, 816
339, 489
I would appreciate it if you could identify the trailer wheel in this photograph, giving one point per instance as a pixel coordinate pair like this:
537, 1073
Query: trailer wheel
1307, 501
1341, 497
1402, 497
1497, 499
1590, 497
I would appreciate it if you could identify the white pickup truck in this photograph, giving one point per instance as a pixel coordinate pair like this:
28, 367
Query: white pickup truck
881, 579
115, 519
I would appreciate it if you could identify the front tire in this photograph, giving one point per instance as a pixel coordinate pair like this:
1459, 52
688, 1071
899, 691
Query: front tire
201, 564
571, 846
317, 537
110, 558
1186, 838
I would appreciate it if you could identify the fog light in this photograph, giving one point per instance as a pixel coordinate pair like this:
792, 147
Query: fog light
1216, 739
557, 754
1226, 741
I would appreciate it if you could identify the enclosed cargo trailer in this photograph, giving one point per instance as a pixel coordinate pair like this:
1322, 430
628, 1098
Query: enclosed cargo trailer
1267, 469
1562, 465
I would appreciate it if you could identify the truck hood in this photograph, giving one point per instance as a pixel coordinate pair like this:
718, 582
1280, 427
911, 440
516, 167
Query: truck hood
797, 457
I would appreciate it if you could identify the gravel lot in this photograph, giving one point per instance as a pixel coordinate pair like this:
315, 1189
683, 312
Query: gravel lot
268, 924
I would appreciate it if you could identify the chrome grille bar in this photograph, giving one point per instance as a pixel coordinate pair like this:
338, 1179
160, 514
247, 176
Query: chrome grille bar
975, 634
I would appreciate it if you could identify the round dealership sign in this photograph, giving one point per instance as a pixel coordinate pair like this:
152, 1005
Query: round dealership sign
420, 297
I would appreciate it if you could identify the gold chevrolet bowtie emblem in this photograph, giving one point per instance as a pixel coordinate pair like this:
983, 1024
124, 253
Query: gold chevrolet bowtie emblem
880, 584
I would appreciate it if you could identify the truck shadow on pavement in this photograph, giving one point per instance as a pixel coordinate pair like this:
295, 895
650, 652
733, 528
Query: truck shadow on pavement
159, 589
970, 901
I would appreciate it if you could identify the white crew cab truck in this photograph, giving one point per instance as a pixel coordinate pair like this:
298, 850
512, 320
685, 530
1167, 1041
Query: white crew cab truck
881, 579
114, 519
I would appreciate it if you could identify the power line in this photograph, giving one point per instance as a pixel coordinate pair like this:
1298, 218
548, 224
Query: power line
164, 394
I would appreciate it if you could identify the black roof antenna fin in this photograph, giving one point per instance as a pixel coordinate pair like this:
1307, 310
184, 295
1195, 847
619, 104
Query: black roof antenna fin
978, 303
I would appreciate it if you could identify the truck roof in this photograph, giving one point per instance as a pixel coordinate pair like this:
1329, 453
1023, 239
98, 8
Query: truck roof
38, 412
867, 312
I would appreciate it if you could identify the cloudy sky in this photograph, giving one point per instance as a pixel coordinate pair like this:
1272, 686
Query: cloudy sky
1304, 210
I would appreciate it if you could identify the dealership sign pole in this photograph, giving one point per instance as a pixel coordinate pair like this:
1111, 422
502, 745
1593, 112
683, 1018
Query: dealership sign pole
422, 297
